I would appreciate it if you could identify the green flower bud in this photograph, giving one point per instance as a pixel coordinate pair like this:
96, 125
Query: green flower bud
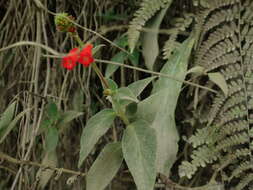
63, 23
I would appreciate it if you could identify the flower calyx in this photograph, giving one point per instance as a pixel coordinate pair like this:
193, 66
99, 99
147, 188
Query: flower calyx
64, 23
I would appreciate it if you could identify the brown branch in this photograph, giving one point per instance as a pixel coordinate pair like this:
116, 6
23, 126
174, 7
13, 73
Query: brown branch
8, 158
171, 184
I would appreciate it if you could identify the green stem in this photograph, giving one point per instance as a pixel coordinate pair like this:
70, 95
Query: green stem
94, 66
120, 113
105, 84
100, 75
78, 39
123, 117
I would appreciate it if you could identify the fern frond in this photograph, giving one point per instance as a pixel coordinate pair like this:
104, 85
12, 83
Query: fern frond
226, 46
230, 158
200, 158
244, 182
147, 9
202, 136
171, 44
244, 166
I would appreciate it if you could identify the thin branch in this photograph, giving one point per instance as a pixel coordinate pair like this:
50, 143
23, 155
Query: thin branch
157, 74
10, 159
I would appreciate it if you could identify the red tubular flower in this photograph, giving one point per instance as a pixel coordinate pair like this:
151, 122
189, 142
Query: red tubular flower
69, 61
85, 57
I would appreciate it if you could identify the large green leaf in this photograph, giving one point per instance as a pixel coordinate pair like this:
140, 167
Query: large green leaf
159, 108
95, 128
150, 38
139, 151
105, 167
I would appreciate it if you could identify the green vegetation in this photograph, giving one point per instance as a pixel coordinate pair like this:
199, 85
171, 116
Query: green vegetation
123, 95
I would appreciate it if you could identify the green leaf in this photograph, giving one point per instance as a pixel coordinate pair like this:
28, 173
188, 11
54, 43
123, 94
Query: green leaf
7, 116
196, 70
96, 49
125, 93
11, 125
139, 151
134, 57
105, 167
67, 117
112, 84
159, 108
150, 39
52, 111
94, 129
138, 86
120, 57
219, 80
51, 139
78, 100
44, 175
131, 109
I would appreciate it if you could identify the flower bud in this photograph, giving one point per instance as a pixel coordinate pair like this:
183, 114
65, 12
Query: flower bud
107, 92
63, 23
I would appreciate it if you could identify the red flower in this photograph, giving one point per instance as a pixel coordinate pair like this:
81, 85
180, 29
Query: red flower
84, 57
72, 30
69, 61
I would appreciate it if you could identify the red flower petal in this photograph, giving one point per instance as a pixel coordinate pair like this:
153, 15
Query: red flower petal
69, 61
74, 54
86, 55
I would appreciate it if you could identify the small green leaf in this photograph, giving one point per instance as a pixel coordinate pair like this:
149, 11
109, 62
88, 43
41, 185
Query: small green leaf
134, 57
131, 109
51, 139
67, 117
44, 175
94, 129
138, 86
139, 151
11, 125
120, 57
112, 84
45, 124
125, 93
78, 100
150, 38
7, 116
196, 70
52, 111
97, 48
219, 80
105, 167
